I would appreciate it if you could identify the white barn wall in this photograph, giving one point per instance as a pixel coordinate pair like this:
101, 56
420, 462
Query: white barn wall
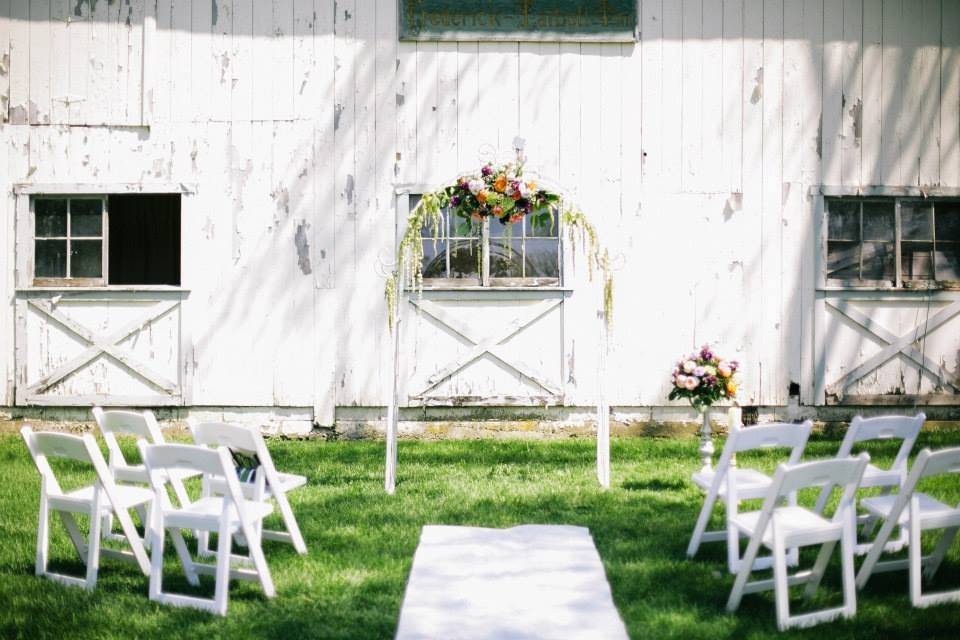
694, 151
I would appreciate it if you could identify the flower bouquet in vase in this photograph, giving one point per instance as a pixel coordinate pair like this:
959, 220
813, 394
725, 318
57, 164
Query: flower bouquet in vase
704, 378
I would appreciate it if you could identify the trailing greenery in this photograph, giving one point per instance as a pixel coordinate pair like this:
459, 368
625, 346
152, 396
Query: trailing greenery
490, 195
361, 544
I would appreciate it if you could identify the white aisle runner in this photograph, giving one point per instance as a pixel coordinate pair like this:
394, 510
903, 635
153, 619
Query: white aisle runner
532, 581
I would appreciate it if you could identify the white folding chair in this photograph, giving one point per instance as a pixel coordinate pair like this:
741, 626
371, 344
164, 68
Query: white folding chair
916, 512
225, 515
904, 428
142, 426
266, 483
95, 501
750, 483
779, 527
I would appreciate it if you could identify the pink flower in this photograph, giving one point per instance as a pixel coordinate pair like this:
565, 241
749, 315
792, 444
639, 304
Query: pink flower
681, 381
691, 383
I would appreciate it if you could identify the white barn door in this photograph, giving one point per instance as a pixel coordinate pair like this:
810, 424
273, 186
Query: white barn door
109, 348
498, 348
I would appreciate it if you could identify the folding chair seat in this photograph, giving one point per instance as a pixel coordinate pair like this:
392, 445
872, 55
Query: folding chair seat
227, 515
916, 512
779, 527
98, 500
904, 428
142, 426
267, 482
750, 484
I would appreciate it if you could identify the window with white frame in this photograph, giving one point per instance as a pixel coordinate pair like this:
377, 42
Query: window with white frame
893, 242
487, 252
101, 240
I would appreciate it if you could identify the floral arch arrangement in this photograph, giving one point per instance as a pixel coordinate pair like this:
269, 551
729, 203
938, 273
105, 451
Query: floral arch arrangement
501, 192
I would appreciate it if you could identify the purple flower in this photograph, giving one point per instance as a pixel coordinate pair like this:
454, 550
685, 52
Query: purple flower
710, 380
699, 372
487, 170
706, 353
455, 201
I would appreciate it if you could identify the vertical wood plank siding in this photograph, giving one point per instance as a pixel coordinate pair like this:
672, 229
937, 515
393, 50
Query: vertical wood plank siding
694, 150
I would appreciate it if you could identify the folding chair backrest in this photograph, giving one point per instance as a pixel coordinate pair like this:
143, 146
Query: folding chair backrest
222, 434
934, 463
842, 472
139, 425
164, 457
785, 435
905, 428
62, 445
237, 438
59, 445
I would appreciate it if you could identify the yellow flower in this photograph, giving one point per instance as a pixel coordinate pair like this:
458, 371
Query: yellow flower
482, 197
731, 387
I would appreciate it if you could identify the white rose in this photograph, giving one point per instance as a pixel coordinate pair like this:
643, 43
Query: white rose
681, 381
476, 186
689, 366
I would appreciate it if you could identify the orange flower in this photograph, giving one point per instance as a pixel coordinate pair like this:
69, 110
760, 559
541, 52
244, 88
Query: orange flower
731, 388
498, 211
500, 183
532, 186
516, 195
482, 197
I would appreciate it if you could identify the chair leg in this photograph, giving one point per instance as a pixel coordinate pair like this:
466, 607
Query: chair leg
819, 567
222, 588
260, 564
848, 544
43, 537
866, 569
75, 536
134, 540
156, 558
180, 545
93, 548
294, 529
781, 589
939, 552
743, 572
702, 520
916, 556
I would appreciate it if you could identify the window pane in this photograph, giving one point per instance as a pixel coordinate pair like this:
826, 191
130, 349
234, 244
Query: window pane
917, 260
506, 258
144, 244
879, 259
916, 221
844, 222
948, 263
843, 260
543, 223
464, 258
86, 217
542, 259
428, 231
500, 230
948, 222
50, 259
947, 219
51, 217
434, 259
86, 259
878, 221
464, 227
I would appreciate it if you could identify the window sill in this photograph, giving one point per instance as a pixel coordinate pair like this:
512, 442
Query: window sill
500, 288
132, 288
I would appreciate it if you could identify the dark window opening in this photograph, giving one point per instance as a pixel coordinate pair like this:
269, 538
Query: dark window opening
144, 239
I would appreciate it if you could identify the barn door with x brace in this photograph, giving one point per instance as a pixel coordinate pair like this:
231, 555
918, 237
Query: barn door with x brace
501, 348
888, 347
111, 348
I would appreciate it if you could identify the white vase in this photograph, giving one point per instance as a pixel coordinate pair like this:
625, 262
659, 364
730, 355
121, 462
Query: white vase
706, 440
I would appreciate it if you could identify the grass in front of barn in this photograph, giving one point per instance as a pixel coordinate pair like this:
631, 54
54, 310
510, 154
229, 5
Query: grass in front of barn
361, 545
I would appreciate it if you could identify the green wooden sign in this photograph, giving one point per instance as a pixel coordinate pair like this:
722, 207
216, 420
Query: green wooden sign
519, 20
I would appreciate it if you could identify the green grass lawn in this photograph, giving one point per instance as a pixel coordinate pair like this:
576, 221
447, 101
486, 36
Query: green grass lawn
361, 545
